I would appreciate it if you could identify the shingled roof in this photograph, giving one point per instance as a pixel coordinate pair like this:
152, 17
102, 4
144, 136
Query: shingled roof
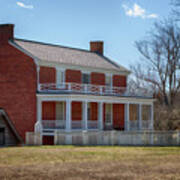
67, 55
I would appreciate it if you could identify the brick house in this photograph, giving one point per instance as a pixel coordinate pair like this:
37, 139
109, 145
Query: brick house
45, 87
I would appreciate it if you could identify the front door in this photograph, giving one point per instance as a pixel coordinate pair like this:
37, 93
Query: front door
2, 136
108, 115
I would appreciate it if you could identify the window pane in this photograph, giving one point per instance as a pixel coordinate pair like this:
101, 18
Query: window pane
86, 78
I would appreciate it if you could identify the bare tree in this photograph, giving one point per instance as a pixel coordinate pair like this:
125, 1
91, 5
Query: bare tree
161, 60
176, 9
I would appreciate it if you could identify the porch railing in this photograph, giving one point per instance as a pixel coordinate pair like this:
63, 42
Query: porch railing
146, 124
134, 124
53, 124
92, 89
77, 124
92, 124
60, 124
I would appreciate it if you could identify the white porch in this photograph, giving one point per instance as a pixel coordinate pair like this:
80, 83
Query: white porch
67, 124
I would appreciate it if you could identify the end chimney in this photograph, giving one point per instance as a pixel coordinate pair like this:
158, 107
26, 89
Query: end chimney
6, 32
97, 47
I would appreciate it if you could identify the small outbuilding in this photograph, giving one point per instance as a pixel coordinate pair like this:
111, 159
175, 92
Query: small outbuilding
8, 133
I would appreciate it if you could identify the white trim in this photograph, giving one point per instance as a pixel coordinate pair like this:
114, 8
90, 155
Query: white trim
93, 98
86, 72
38, 76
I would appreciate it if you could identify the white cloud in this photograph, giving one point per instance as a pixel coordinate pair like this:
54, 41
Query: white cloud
24, 5
137, 11
152, 16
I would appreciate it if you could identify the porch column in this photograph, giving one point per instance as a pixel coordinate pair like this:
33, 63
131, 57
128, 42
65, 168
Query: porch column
39, 110
68, 115
38, 125
100, 115
140, 117
85, 115
127, 123
152, 117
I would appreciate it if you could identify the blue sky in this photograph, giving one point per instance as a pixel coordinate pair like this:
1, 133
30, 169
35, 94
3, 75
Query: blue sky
119, 23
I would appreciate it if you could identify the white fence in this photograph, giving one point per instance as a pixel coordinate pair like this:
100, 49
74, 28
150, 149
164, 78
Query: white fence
135, 138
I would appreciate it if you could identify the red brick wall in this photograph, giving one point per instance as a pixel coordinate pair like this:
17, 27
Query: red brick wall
18, 81
97, 78
73, 76
119, 81
118, 116
97, 47
6, 33
49, 110
76, 111
94, 111
47, 75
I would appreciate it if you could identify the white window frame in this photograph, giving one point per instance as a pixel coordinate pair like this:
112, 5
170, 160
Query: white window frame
60, 78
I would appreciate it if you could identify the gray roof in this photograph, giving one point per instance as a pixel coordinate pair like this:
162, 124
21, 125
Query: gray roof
66, 55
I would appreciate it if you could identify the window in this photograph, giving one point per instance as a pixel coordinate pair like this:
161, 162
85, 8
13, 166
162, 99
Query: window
108, 80
60, 110
85, 78
61, 78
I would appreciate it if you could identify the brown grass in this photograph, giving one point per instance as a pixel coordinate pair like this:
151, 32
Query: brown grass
82, 163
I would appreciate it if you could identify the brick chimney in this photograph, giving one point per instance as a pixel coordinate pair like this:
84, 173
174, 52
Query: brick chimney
97, 47
6, 32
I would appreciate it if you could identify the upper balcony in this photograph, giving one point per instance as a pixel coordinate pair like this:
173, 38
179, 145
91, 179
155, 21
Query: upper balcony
78, 88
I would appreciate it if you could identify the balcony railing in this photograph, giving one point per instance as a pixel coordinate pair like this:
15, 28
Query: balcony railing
92, 89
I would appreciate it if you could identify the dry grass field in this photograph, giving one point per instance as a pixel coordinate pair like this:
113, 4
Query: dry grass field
82, 163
